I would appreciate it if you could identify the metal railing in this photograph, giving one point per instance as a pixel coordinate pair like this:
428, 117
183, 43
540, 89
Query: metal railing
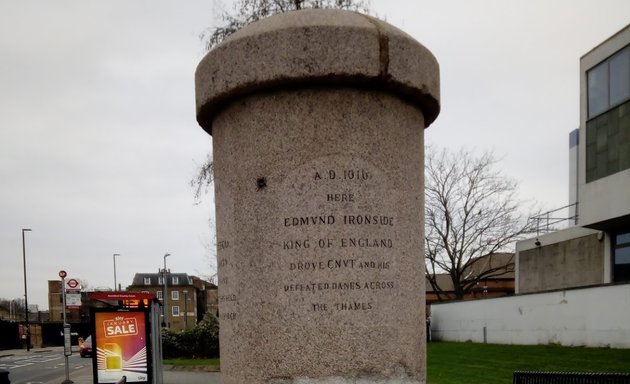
529, 377
555, 219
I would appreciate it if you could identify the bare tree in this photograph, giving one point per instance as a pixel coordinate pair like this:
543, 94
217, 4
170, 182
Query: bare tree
14, 309
471, 210
243, 13
202, 181
210, 244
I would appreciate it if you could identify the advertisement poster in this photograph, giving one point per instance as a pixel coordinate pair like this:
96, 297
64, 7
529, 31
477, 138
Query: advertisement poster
121, 346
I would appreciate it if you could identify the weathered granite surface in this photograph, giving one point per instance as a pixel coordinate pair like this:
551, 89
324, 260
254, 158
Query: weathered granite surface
317, 119
317, 47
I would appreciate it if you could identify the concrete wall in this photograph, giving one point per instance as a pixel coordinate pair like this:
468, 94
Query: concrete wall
575, 257
595, 317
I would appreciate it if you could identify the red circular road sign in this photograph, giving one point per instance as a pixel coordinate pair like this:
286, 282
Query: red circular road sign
63, 274
72, 283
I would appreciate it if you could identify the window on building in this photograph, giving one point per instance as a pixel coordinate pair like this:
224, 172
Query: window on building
159, 295
174, 295
619, 69
160, 280
608, 83
621, 257
175, 310
147, 281
175, 280
608, 125
597, 90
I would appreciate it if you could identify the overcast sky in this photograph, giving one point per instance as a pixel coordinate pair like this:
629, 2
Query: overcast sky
98, 138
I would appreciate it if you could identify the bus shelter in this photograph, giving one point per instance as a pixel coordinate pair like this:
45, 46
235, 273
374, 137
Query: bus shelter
126, 340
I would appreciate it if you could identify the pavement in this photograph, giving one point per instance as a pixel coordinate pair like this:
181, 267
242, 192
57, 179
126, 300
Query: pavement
170, 377
84, 376
191, 375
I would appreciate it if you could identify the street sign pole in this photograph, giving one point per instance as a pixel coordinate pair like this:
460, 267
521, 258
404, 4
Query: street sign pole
67, 341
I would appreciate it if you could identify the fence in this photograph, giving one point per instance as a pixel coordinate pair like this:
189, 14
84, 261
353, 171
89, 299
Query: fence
10, 335
556, 219
523, 377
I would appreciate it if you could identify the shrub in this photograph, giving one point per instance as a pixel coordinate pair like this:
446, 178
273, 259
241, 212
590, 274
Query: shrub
200, 341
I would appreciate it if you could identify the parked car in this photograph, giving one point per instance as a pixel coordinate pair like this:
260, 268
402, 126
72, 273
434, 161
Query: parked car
85, 349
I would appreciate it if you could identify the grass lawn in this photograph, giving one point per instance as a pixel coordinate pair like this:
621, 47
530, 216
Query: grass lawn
469, 363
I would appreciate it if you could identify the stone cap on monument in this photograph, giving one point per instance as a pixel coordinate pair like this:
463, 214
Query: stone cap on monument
317, 47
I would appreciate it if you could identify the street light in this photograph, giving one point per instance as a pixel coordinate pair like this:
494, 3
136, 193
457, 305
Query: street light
115, 285
28, 330
164, 321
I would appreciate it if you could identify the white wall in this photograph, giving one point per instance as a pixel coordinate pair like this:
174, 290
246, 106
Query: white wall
596, 317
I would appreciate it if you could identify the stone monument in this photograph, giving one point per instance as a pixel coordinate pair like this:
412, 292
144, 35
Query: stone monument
317, 120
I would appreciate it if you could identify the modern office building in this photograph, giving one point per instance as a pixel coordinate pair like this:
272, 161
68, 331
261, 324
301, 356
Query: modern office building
572, 284
604, 154
595, 250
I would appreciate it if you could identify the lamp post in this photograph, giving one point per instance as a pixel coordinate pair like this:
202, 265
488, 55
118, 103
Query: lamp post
28, 329
115, 285
164, 320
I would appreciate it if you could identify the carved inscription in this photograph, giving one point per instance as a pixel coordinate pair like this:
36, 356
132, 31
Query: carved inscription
338, 259
348, 174
227, 299
355, 260
359, 219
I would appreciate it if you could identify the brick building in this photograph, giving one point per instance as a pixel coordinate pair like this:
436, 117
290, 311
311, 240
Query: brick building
188, 298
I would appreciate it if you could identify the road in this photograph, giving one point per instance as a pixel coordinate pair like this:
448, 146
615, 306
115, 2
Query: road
43, 366
47, 366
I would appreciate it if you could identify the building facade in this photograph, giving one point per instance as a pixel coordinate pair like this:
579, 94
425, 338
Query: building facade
55, 300
186, 296
55, 305
572, 284
604, 154
595, 250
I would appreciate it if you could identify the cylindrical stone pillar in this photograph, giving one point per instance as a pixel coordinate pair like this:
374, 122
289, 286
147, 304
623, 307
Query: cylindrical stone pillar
317, 120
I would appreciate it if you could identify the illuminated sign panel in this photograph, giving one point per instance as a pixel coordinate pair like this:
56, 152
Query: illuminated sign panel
128, 299
121, 346
121, 326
